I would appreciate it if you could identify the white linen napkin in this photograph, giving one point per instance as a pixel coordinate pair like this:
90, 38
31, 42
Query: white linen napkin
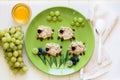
93, 70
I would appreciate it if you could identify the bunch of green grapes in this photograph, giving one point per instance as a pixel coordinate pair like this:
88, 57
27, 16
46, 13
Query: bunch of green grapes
54, 16
12, 41
77, 22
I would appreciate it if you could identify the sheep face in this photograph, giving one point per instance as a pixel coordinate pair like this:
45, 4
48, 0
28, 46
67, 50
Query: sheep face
44, 32
53, 49
77, 48
65, 33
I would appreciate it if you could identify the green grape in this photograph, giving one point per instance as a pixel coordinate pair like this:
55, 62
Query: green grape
24, 69
49, 18
18, 28
77, 24
59, 18
21, 64
19, 33
80, 20
1, 33
13, 39
17, 41
6, 30
10, 63
35, 51
20, 37
72, 24
7, 35
12, 30
52, 13
15, 71
4, 39
13, 59
82, 24
9, 49
19, 59
5, 54
12, 45
9, 54
15, 48
9, 39
54, 18
17, 64
57, 13
15, 54
7, 58
19, 46
5, 46
69, 63
19, 52
16, 35
75, 19
21, 41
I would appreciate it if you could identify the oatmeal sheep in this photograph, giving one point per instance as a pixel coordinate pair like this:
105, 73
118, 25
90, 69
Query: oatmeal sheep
77, 48
53, 49
65, 33
44, 32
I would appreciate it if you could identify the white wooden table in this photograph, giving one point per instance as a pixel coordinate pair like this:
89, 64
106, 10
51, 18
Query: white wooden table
113, 43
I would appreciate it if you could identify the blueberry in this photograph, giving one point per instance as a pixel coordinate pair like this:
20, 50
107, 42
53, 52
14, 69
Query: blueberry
43, 52
74, 63
40, 51
74, 59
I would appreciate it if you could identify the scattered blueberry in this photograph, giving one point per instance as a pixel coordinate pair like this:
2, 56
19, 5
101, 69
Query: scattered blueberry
40, 51
74, 59
74, 63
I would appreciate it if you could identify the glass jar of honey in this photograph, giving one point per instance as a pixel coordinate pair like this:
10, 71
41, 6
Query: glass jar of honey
21, 13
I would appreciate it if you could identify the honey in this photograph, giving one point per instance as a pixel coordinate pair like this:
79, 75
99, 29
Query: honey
21, 13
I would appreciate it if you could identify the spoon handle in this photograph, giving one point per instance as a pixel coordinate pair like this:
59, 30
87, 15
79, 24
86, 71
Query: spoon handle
99, 50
